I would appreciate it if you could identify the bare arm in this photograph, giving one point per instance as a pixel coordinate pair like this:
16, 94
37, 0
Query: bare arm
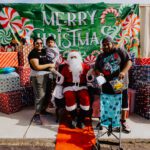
37, 66
125, 69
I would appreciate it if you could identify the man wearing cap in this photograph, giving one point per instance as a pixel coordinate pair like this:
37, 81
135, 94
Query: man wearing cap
75, 88
114, 63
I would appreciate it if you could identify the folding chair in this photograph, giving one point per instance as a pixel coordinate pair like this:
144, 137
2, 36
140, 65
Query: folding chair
110, 114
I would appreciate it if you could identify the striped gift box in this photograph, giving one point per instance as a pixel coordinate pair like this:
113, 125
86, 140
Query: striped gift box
23, 55
8, 59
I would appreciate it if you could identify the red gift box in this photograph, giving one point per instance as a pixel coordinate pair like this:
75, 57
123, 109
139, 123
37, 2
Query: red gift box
27, 96
96, 107
131, 100
2, 49
23, 55
8, 59
10, 102
142, 61
24, 75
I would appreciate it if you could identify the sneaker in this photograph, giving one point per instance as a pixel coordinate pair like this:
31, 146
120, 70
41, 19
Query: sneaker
125, 127
72, 124
80, 125
37, 119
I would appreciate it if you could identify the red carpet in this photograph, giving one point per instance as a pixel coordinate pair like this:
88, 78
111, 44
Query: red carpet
75, 139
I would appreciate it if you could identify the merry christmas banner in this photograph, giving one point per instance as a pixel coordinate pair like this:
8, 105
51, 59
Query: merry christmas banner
74, 26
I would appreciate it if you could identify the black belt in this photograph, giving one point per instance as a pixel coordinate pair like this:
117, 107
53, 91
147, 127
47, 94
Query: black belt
76, 84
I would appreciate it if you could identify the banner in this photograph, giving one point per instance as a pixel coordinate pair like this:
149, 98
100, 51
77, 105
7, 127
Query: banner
74, 26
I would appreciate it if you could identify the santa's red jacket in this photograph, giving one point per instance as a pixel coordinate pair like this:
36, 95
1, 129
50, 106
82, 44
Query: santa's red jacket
67, 81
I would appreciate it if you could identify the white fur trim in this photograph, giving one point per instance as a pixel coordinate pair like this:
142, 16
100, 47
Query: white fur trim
125, 108
85, 107
71, 108
58, 91
74, 88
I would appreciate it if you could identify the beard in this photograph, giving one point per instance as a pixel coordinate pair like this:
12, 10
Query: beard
75, 66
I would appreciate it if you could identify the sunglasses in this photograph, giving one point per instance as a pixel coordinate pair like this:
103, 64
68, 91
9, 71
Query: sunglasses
39, 43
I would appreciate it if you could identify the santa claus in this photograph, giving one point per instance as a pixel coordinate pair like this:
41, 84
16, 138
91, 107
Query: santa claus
75, 89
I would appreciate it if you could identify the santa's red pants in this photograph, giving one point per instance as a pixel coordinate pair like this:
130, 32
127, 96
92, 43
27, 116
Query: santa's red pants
82, 96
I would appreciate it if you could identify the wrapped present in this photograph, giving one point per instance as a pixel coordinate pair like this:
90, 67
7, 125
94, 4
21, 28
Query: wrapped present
142, 99
142, 61
132, 55
96, 107
131, 99
138, 72
2, 49
23, 55
9, 82
9, 48
8, 59
24, 75
27, 96
10, 102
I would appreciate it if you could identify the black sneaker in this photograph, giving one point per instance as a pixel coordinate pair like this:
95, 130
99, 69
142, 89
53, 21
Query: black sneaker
80, 125
37, 119
125, 127
72, 124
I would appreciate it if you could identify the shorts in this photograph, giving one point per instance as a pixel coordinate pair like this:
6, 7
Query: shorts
125, 100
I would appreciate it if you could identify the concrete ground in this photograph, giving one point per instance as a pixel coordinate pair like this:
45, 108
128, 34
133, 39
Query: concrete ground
18, 132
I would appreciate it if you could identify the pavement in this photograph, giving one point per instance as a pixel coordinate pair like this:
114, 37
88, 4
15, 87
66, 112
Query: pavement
18, 132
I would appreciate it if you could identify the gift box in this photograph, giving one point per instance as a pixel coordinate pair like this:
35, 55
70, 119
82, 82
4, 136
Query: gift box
142, 61
2, 49
27, 96
142, 99
131, 100
9, 82
8, 59
138, 72
23, 55
132, 55
24, 75
10, 102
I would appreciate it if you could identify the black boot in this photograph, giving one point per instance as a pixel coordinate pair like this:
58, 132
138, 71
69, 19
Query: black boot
73, 121
81, 118
80, 124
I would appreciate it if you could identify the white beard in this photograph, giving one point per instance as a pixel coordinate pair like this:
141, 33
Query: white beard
75, 67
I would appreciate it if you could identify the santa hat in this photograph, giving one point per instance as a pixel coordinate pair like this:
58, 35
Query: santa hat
74, 53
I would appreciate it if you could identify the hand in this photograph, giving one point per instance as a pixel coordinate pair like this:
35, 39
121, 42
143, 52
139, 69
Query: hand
52, 65
52, 69
121, 75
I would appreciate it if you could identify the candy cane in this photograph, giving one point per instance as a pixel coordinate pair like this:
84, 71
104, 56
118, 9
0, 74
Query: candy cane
107, 11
